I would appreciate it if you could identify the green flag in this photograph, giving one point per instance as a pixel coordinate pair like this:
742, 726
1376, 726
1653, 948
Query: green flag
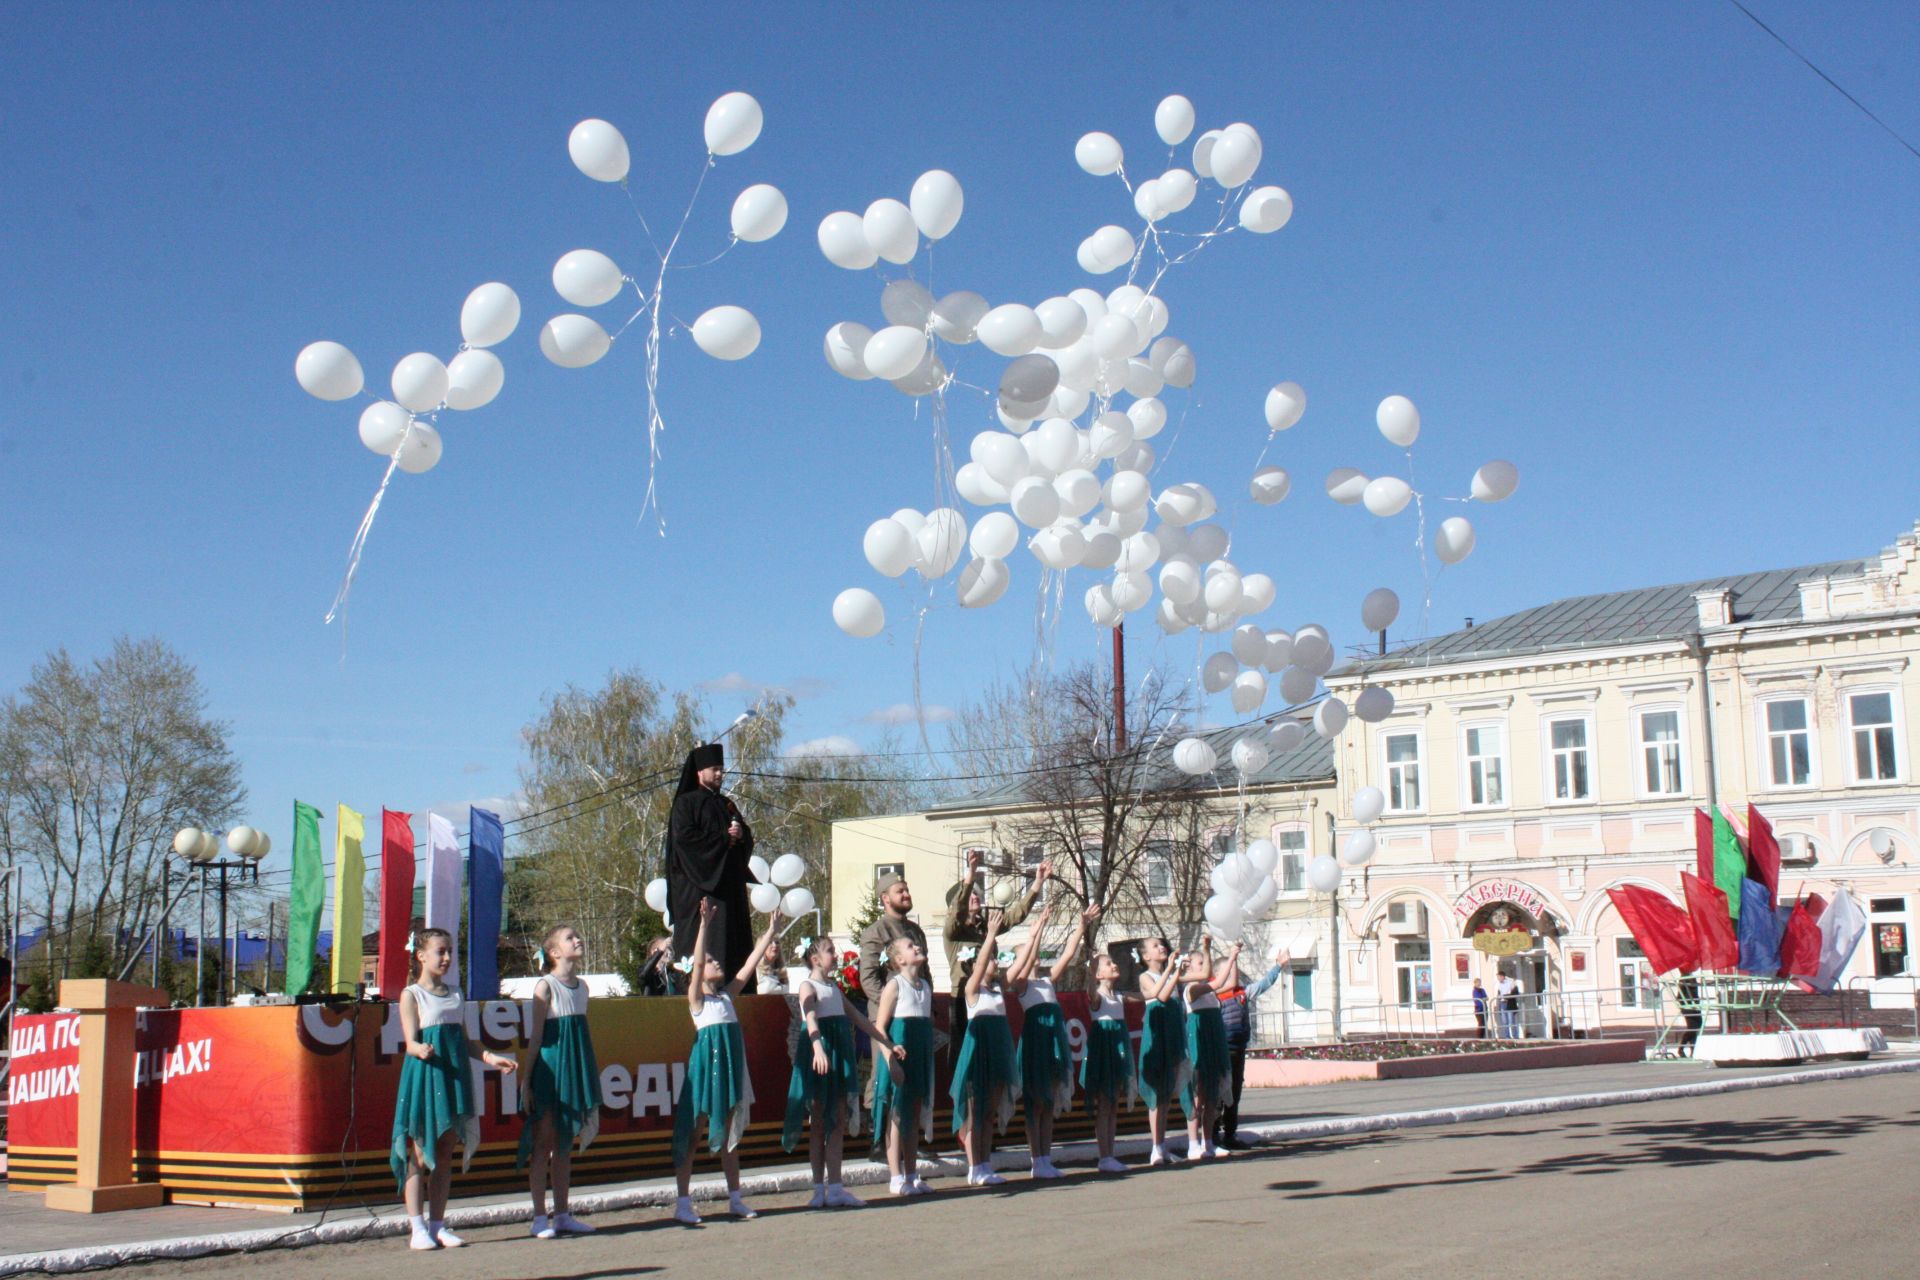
309, 895
1729, 861
349, 907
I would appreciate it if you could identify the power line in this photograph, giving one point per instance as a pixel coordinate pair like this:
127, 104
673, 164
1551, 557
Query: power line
1836, 85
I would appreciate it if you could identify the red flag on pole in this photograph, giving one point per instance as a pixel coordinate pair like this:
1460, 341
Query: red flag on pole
1712, 926
1703, 845
1800, 948
396, 901
1658, 925
1763, 851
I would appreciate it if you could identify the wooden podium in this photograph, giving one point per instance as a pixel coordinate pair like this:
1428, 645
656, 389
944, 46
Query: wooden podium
104, 1154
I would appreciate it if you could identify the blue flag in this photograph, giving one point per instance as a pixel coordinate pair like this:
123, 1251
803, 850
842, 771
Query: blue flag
1759, 930
486, 887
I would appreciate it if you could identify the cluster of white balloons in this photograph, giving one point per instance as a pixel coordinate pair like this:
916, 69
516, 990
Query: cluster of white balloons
777, 887
1324, 871
1388, 496
1243, 888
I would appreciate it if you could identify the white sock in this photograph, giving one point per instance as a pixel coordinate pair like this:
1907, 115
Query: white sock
418, 1221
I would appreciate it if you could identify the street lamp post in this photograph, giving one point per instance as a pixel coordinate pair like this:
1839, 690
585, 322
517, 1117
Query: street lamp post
202, 849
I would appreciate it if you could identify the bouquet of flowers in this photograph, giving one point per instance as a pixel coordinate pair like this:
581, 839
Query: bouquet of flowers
850, 973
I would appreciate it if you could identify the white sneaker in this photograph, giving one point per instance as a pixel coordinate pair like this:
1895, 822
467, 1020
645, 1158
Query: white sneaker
1210, 1152
683, 1212
740, 1208
977, 1175
542, 1229
422, 1239
1110, 1165
900, 1185
838, 1197
446, 1238
919, 1186
572, 1226
1159, 1156
1195, 1153
991, 1179
819, 1197
1043, 1168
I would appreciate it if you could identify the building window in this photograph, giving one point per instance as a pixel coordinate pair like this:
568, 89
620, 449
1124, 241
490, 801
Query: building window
1403, 772
1031, 856
1486, 766
1221, 843
884, 869
1888, 934
1159, 865
1660, 753
1293, 861
1874, 757
1413, 965
1639, 987
1572, 759
1789, 745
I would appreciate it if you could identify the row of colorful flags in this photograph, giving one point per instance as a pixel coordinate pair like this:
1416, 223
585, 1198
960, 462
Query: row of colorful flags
1734, 921
485, 899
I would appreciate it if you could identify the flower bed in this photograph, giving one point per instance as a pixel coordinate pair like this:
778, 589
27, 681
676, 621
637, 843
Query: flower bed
1388, 1050
1408, 1059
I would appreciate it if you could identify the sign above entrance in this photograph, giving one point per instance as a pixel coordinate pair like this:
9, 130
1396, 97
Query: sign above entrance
1522, 896
1503, 942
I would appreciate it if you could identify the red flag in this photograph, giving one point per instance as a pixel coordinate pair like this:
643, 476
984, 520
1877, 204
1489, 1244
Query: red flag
1712, 926
396, 901
1800, 948
1703, 845
1658, 925
1763, 851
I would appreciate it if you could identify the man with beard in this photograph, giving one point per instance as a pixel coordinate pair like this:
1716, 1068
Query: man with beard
708, 844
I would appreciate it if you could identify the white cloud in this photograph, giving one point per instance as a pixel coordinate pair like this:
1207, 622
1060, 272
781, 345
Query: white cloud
833, 745
905, 713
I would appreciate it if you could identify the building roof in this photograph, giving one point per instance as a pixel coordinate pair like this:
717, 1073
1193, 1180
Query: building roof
1616, 617
1311, 761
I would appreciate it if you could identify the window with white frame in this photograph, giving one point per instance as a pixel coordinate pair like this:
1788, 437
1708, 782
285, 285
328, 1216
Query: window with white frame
1486, 765
1159, 868
1660, 755
1293, 861
1403, 772
1875, 758
1221, 843
1092, 857
1789, 743
1569, 743
1031, 856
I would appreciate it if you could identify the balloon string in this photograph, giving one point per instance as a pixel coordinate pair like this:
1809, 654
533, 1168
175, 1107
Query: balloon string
359, 544
694, 266
1420, 548
656, 424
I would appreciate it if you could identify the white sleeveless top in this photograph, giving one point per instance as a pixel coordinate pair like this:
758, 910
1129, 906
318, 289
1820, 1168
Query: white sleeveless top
827, 1000
1207, 999
1108, 1008
1174, 990
436, 1010
1039, 991
912, 999
715, 1011
991, 1003
566, 1001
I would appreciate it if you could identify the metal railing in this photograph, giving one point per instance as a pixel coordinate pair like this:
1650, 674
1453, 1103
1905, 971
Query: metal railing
1877, 990
1581, 1014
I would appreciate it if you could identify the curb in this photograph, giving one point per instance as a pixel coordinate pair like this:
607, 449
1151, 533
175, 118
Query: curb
868, 1172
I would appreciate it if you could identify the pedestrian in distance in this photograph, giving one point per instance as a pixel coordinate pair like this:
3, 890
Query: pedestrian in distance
563, 1083
1480, 1008
823, 1095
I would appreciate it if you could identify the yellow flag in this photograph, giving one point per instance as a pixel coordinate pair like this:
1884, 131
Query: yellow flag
349, 908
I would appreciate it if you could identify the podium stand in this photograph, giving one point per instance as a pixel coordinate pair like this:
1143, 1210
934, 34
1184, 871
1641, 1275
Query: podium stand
104, 1155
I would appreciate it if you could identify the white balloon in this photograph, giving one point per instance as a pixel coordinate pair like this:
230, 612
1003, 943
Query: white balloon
1249, 645
1373, 705
906, 302
727, 333
976, 486
797, 902
1062, 321
1168, 616
1286, 403
1235, 155
1030, 378
1329, 718
382, 424
843, 239
1003, 456
857, 611
1179, 368
1034, 502
1098, 153
957, 316
1132, 590
1323, 874
1312, 653
1148, 416
1127, 491
1178, 504
657, 894
759, 868
420, 451
1266, 210
1398, 420
1111, 247
1207, 542
598, 151
1060, 545
586, 278
1101, 610
328, 371
1358, 848
1279, 651
895, 351
788, 869
1194, 756
927, 377
936, 202
982, 582
1368, 804
1173, 119
1218, 671
888, 227
1011, 329
1387, 495
733, 122
1180, 583
1055, 443
1113, 336
420, 382
573, 341
1263, 854
1174, 190
1263, 897
994, 536
1138, 552
1103, 549
940, 541
1249, 691
1079, 492
1454, 541
1270, 485
474, 378
1297, 685
1203, 152
1222, 591
1110, 434
1286, 736
1346, 486
759, 213
889, 548
1495, 481
489, 315
1379, 609
1224, 916
765, 898
1146, 201
846, 349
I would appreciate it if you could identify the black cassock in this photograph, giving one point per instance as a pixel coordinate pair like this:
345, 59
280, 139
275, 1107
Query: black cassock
703, 863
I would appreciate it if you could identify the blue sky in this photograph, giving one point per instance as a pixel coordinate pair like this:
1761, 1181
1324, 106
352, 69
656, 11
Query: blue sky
1638, 249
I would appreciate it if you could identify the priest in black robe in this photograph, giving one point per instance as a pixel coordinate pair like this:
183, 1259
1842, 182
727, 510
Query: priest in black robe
708, 844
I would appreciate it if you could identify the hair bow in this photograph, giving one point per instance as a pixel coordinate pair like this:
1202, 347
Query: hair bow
965, 954
1004, 959
684, 964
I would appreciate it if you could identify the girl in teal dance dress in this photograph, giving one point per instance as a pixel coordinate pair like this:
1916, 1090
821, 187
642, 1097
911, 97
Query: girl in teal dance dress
1211, 1080
824, 1094
563, 1088
903, 1099
1107, 1072
717, 1086
1045, 1056
1163, 1040
986, 1079
435, 1101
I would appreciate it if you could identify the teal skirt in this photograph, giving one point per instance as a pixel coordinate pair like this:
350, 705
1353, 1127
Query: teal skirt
717, 1087
986, 1074
435, 1098
1212, 1076
1163, 1053
912, 1098
564, 1084
1107, 1072
1045, 1059
838, 1090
